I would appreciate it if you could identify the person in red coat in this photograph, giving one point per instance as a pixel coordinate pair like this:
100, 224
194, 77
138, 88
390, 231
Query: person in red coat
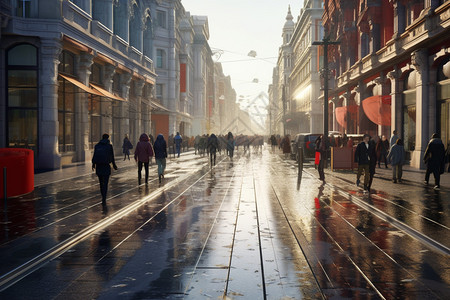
143, 154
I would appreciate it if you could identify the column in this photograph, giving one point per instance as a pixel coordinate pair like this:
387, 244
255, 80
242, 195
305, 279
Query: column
125, 80
107, 126
139, 87
419, 59
396, 101
49, 157
85, 61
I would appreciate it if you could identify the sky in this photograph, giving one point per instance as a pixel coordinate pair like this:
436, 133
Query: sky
238, 26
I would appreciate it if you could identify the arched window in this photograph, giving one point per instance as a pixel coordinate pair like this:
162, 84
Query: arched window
135, 27
148, 35
22, 97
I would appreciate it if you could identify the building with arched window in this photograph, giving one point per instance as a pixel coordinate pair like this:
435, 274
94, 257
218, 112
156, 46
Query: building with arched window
391, 69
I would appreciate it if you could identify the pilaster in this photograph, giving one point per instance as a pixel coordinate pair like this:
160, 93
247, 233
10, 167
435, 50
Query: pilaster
108, 74
419, 59
85, 61
49, 158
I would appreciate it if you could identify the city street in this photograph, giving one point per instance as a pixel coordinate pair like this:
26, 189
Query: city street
248, 228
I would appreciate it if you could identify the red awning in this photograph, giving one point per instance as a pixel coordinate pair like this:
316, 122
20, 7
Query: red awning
341, 114
378, 109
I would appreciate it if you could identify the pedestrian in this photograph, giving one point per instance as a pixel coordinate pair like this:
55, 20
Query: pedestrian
321, 152
273, 142
126, 147
143, 154
393, 139
372, 162
286, 146
230, 145
382, 149
160, 148
447, 157
434, 157
396, 157
213, 146
101, 160
363, 159
177, 140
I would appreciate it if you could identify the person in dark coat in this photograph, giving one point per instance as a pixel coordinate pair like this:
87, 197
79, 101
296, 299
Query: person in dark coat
363, 159
434, 157
213, 146
103, 157
382, 149
321, 148
286, 146
230, 145
143, 154
372, 162
447, 157
177, 140
160, 148
126, 147
396, 157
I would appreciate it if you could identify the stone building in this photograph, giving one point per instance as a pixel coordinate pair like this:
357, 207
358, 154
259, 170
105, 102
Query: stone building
295, 89
392, 69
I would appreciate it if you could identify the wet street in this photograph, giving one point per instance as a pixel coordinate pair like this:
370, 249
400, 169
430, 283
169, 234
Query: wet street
248, 228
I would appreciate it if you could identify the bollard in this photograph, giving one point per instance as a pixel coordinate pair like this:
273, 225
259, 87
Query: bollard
300, 159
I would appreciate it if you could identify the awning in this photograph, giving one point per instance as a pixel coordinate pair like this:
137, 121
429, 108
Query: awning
157, 106
105, 93
344, 112
378, 109
80, 85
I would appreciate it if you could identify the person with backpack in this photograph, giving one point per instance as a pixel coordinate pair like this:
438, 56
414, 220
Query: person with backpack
101, 160
142, 155
213, 146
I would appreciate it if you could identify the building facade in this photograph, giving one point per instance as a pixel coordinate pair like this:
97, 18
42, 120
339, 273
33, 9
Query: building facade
392, 69
295, 89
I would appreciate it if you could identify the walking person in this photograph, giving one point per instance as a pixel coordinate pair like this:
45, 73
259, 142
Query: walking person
230, 145
213, 146
177, 140
143, 154
160, 148
126, 147
103, 157
396, 157
363, 159
434, 157
393, 139
382, 150
286, 146
321, 151
372, 163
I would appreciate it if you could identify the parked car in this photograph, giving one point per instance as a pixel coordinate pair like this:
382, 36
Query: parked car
306, 141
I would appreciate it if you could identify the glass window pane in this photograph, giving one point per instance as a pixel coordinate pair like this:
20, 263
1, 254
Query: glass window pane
22, 128
22, 55
22, 78
61, 128
69, 129
22, 97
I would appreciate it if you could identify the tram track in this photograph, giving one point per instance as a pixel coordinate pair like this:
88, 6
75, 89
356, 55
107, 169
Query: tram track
381, 215
26, 268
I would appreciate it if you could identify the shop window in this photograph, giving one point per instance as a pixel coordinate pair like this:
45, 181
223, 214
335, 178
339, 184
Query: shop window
66, 104
409, 113
22, 97
66, 63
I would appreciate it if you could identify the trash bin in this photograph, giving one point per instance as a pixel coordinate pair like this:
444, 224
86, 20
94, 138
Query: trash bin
19, 164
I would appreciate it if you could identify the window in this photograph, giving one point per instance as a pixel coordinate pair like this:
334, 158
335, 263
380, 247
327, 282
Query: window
161, 18
95, 108
23, 8
22, 97
159, 92
66, 104
160, 58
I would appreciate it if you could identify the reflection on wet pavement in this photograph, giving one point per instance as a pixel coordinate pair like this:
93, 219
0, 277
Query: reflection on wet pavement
247, 229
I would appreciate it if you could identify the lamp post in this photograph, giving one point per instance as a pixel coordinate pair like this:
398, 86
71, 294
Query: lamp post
325, 42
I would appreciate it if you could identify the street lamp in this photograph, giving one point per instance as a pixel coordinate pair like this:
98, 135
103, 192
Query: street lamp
325, 42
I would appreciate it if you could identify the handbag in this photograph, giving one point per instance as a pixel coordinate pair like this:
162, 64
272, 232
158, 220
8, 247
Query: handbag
317, 158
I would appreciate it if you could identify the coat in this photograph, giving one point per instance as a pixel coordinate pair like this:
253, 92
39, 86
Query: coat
213, 144
396, 155
143, 150
434, 155
126, 146
103, 157
362, 154
160, 147
286, 145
